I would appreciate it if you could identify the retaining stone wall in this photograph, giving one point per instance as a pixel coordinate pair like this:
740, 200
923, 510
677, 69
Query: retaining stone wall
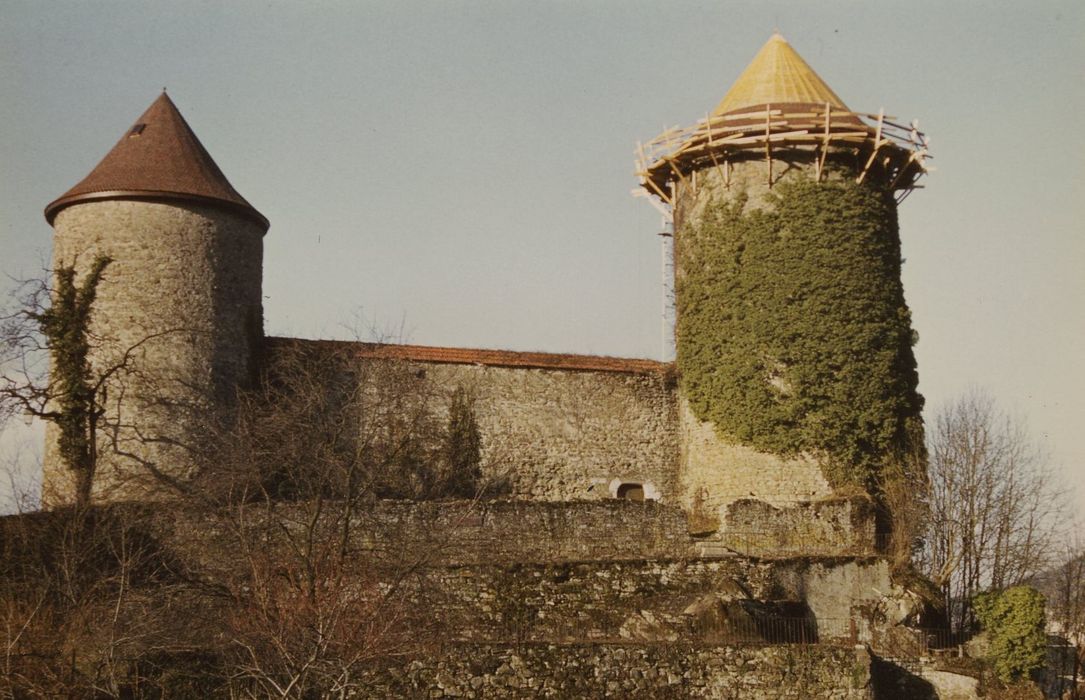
456, 533
557, 572
631, 671
828, 527
509, 532
662, 600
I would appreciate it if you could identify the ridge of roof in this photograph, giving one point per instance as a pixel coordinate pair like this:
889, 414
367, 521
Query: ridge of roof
489, 358
158, 157
777, 75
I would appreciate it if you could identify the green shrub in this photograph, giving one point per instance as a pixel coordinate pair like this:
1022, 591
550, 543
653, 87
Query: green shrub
794, 334
1014, 621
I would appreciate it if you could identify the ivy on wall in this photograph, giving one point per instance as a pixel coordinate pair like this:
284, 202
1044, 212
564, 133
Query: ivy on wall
794, 334
75, 390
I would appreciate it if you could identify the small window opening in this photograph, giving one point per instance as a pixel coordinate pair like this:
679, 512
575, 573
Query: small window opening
137, 130
631, 492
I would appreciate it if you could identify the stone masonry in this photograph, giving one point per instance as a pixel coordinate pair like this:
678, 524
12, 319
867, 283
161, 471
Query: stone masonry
179, 309
631, 671
715, 471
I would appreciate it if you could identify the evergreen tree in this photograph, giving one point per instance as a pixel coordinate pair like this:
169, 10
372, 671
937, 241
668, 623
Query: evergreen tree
463, 448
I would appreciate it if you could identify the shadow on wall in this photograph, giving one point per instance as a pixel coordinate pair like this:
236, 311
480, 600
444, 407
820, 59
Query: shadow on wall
892, 682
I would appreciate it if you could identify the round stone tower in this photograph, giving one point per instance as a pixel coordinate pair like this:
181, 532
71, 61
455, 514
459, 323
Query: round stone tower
797, 377
178, 314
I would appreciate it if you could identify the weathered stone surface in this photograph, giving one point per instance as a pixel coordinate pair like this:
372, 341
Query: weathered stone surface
562, 572
832, 526
643, 626
563, 435
714, 473
639, 600
952, 686
182, 299
632, 671
468, 533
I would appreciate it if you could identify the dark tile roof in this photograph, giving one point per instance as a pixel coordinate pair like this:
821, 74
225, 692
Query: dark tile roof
159, 157
489, 358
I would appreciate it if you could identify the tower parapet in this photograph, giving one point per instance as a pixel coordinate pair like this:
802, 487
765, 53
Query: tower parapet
178, 313
797, 377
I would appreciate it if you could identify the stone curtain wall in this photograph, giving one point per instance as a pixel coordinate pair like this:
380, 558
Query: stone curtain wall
562, 435
568, 435
631, 671
183, 296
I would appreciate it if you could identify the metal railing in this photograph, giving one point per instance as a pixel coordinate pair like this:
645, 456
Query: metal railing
744, 630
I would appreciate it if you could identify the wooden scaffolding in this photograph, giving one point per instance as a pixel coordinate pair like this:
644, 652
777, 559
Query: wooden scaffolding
870, 143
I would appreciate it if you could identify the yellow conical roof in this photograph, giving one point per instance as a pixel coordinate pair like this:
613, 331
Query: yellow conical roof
777, 75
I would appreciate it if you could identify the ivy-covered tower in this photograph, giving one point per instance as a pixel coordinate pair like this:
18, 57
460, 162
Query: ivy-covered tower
178, 313
794, 343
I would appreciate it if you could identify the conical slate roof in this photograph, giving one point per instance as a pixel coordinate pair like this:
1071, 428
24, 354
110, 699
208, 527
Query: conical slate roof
158, 158
777, 75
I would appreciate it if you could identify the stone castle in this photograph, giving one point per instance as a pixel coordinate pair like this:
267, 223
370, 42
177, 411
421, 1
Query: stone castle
181, 304
184, 291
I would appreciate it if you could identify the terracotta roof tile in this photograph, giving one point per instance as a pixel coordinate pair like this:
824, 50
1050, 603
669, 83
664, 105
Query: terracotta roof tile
159, 157
489, 358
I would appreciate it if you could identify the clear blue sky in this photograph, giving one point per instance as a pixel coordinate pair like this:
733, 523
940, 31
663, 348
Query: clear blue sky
462, 169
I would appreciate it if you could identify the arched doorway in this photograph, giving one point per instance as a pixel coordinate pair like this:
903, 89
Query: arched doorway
631, 492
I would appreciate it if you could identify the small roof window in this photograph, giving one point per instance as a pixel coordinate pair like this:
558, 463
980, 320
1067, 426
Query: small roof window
137, 130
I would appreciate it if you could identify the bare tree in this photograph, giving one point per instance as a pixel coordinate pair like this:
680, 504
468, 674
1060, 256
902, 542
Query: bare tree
292, 477
276, 579
57, 321
995, 508
1064, 587
58, 367
287, 472
85, 600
